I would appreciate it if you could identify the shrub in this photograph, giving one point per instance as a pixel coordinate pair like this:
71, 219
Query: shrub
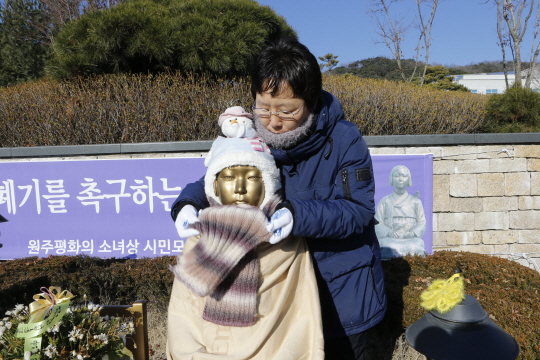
382, 107
117, 109
507, 291
516, 110
112, 109
221, 37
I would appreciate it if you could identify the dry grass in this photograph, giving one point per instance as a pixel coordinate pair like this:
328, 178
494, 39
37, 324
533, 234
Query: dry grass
157, 333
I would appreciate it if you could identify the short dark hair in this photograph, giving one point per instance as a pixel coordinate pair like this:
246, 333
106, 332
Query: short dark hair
287, 61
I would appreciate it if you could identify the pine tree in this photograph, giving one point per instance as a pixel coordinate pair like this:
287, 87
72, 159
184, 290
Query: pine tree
219, 37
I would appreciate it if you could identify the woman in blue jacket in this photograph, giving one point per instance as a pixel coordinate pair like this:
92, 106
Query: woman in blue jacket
327, 176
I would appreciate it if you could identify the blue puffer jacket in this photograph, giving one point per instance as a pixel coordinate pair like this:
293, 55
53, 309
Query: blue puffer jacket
329, 187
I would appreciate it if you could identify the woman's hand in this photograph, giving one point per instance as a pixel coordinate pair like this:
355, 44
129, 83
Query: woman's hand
280, 225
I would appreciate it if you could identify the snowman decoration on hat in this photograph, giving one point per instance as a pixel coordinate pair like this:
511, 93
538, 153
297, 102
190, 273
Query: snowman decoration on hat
237, 123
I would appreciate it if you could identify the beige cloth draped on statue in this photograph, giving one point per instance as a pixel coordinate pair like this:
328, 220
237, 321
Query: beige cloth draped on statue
288, 327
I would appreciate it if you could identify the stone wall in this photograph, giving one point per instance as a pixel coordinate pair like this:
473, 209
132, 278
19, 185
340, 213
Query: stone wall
486, 199
486, 186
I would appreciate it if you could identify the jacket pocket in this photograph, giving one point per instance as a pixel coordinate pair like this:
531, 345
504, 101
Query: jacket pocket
359, 303
342, 263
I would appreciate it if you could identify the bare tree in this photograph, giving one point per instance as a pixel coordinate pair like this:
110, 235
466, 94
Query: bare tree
516, 15
504, 39
392, 31
425, 30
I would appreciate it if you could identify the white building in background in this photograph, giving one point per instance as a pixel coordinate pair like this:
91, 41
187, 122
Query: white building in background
493, 83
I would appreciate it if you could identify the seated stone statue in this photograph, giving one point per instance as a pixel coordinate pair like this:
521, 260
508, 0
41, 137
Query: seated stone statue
235, 295
401, 217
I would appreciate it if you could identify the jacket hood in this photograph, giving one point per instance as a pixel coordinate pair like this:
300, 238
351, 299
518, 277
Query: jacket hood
329, 114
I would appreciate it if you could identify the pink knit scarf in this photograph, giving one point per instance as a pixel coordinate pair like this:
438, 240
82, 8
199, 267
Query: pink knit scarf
224, 264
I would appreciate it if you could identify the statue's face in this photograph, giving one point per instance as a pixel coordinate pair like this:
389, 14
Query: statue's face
240, 185
400, 179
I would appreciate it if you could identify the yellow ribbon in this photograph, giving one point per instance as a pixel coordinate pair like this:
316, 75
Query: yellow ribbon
44, 302
52, 299
443, 295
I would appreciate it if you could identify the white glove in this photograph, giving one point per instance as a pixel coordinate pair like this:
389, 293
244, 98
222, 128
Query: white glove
187, 216
281, 225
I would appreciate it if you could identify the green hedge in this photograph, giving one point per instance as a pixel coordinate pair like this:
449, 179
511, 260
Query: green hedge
506, 290
116, 109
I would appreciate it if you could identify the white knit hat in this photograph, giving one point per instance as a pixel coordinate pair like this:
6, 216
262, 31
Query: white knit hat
227, 152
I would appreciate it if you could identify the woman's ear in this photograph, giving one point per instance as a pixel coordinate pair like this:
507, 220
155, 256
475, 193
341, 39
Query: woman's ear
216, 192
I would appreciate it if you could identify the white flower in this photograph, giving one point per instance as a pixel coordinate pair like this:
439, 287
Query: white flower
106, 318
27, 355
8, 312
74, 353
102, 337
8, 325
5, 319
56, 327
79, 357
81, 336
73, 334
68, 311
19, 307
50, 351
1, 323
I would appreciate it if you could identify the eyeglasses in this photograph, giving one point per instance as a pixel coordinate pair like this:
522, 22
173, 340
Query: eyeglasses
283, 115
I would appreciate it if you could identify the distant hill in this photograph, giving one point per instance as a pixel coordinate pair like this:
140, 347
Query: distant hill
384, 68
377, 68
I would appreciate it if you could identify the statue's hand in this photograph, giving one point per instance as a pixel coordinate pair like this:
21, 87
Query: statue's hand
187, 216
280, 225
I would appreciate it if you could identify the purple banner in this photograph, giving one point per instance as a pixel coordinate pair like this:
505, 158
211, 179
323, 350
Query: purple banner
103, 208
405, 217
121, 208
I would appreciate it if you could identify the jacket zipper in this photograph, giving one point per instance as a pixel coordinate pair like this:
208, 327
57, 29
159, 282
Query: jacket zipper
345, 184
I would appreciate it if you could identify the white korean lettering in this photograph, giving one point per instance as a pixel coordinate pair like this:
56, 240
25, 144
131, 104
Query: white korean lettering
7, 196
60, 246
120, 246
57, 199
175, 190
132, 246
178, 245
28, 189
89, 198
33, 245
105, 247
149, 246
117, 196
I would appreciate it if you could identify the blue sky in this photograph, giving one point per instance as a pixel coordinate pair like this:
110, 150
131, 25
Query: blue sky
464, 31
